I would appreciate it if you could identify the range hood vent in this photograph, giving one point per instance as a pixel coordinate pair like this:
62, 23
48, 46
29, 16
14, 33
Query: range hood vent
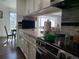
66, 4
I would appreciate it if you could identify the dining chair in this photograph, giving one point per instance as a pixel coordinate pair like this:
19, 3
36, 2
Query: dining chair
8, 35
13, 33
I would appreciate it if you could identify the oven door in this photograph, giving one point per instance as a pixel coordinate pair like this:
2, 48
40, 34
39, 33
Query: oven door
43, 53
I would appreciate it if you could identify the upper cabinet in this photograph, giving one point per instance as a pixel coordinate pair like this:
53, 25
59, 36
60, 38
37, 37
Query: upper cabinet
45, 3
29, 6
40, 4
21, 7
26, 7
37, 5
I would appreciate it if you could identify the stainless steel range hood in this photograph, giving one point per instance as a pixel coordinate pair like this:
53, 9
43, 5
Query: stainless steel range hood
65, 4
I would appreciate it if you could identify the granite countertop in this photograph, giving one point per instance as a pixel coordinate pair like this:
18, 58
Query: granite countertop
35, 33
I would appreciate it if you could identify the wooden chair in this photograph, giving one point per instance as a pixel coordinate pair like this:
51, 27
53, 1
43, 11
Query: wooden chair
13, 33
7, 33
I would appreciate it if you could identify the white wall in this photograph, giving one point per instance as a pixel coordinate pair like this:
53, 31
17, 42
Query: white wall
9, 3
5, 20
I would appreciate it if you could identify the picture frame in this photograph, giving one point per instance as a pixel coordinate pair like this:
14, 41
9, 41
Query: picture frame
1, 14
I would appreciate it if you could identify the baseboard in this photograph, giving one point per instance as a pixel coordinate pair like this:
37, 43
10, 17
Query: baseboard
19, 49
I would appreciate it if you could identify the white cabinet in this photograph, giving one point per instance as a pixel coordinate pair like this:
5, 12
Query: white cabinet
27, 44
40, 4
26, 7
37, 5
21, 7
32, 51
21, 41
30, 48
45, 3
26, 49
29, 6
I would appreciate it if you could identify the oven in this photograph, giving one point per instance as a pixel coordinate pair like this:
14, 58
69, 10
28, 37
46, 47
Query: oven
46, 51
65, 55
43, 53
51, 51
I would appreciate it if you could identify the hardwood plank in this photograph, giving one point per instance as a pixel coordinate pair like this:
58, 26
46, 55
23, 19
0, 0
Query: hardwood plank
9, 51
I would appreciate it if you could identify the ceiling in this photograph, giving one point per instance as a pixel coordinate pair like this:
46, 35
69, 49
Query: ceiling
9, 3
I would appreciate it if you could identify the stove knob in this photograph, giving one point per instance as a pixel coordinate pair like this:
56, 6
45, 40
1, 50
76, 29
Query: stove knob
62, 56
69, 57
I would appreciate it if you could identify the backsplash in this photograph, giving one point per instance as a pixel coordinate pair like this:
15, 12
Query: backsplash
69, 29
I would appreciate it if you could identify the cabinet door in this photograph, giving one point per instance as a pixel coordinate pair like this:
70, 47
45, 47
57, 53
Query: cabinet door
20, 39
26, 37
32, 48
32, 52
22, 44
27, 7
37, 5
31, 6
33, 40
21, 7
45, 3
26, 49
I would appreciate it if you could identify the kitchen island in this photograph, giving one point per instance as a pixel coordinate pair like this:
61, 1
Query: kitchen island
34, 47
27, 42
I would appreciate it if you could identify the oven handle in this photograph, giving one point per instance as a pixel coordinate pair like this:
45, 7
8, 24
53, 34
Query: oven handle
42, 50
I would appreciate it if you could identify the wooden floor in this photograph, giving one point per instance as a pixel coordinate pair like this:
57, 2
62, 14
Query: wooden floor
9, 51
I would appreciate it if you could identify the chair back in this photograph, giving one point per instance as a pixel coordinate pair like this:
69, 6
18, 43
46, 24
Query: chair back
6, 30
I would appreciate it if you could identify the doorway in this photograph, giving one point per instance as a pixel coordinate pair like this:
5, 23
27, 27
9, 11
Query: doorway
13, 25
12, 20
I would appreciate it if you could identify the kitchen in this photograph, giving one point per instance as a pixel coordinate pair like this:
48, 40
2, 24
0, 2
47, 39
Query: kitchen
31, 41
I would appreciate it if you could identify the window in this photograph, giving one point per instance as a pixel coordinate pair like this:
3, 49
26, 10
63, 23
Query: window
12, 20
42, 19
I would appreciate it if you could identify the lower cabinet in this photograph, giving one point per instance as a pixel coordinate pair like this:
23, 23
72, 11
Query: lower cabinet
26, 49
27, 45
31, 52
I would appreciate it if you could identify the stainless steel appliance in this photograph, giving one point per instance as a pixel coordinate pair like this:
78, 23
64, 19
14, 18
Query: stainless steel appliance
57, 52
65, 55
50, 52
66, 4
